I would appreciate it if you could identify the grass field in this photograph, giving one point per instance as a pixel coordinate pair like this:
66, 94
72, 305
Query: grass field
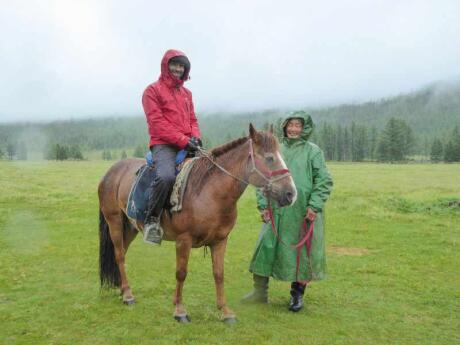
393, 265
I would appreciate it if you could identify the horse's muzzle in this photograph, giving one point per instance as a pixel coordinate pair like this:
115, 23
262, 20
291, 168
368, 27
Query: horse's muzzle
285, 197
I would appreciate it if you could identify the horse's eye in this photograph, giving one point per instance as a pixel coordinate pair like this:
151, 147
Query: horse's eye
269, 159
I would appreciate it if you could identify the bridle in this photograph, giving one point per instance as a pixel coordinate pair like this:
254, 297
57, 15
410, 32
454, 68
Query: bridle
269, 176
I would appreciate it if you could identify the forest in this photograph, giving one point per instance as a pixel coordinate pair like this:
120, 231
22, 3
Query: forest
419, 126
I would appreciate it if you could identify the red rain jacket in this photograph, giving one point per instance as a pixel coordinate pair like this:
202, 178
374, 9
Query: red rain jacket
168, 107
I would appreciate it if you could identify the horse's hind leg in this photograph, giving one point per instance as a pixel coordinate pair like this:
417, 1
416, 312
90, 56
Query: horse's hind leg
218, 252
183, 247
117, 223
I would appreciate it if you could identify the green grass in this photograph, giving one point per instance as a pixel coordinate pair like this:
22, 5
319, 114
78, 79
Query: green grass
393, 264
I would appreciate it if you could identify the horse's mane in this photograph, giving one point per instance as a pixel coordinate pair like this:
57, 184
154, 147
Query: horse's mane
203, 168
224, 148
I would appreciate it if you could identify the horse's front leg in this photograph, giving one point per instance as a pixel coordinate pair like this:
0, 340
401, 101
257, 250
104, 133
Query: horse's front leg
183, 246
218, 252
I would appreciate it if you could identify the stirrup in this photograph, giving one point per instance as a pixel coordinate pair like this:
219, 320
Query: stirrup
153, 233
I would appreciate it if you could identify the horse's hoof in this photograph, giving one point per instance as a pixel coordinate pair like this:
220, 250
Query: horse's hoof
129, 301
229, 320
182, 318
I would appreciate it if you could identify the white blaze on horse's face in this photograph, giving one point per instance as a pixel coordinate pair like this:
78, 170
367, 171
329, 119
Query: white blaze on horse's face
268, 169
291, 180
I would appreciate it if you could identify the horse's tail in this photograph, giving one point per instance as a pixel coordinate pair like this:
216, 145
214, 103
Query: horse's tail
108, 268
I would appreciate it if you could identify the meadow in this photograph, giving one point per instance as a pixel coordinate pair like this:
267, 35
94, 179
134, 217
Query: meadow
393, 239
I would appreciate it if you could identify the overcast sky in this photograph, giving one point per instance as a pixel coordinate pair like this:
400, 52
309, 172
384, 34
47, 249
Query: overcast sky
69, 59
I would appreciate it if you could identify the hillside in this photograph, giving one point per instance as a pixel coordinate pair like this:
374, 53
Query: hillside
431, 112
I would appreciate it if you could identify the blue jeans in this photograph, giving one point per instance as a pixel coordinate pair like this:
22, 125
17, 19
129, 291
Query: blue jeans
164, 157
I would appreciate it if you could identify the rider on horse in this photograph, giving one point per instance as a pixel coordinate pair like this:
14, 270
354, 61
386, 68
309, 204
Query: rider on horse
172, 126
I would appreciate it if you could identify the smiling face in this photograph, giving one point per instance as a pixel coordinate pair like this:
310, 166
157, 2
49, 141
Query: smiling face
294, 128
176, 69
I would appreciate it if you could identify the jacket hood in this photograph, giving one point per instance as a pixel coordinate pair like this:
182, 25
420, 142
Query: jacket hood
166, 76
308, 125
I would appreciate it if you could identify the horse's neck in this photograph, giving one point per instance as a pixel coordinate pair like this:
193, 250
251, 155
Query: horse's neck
235, 162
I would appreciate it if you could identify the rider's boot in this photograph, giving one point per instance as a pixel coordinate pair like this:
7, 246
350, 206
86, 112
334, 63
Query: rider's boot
153, 233
297, 291
260, 292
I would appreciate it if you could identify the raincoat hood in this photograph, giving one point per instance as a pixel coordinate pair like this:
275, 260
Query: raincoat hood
166, 76
305, 162
308, 126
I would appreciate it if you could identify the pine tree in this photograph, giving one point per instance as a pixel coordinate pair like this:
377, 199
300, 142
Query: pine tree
359, 142
373, 141
408, 138
339, 144
436, 151
62, 152
327, 141
11, 150
456, 144
75, 152
123, 155
396, 141
346, 144
449, 152
278, 128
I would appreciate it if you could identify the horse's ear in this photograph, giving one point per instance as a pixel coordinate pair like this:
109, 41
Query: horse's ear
270, 129
252, 132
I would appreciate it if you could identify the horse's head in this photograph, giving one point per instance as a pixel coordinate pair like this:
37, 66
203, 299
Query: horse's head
267, 167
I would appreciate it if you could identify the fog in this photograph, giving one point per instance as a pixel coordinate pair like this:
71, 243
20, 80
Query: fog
73, 59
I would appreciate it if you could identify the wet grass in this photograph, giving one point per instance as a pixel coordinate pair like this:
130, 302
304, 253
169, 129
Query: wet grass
393, 234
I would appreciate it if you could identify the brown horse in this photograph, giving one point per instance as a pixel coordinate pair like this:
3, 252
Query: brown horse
208, 214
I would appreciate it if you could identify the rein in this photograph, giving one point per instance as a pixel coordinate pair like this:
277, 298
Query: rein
208, 156
305, 234
270, 176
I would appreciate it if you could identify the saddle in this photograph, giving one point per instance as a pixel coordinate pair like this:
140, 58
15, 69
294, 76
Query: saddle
142, 186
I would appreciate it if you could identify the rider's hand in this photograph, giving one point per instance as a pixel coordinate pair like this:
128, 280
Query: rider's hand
310, 215
265, 216
193, 144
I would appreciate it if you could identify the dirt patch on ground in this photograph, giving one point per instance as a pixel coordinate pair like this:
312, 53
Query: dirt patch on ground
350, 251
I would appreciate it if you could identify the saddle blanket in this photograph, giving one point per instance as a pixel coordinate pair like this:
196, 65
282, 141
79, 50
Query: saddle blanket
142, 187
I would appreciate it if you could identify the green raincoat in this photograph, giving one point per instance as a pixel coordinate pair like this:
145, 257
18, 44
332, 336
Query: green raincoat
306, 163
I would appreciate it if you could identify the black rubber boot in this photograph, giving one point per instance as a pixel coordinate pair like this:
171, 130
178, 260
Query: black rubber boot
296, 302
260, 292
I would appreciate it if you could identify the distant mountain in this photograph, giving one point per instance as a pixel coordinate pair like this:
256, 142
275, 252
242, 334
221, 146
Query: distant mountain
431, 111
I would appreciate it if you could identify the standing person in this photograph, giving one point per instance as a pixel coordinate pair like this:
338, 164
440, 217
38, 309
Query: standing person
172, 126
274, 259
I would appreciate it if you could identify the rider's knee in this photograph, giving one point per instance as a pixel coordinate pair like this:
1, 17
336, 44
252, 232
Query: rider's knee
167, 180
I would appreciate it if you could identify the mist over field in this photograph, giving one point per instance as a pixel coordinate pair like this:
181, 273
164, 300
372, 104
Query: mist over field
63, 60
381, 81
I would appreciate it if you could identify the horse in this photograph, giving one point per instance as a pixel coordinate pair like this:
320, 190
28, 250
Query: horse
216, 182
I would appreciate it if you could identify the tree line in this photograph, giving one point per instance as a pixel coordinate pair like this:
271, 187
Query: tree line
449, 151
396, 142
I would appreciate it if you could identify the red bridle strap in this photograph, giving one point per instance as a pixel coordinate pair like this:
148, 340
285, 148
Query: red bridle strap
305, 235
267, 175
